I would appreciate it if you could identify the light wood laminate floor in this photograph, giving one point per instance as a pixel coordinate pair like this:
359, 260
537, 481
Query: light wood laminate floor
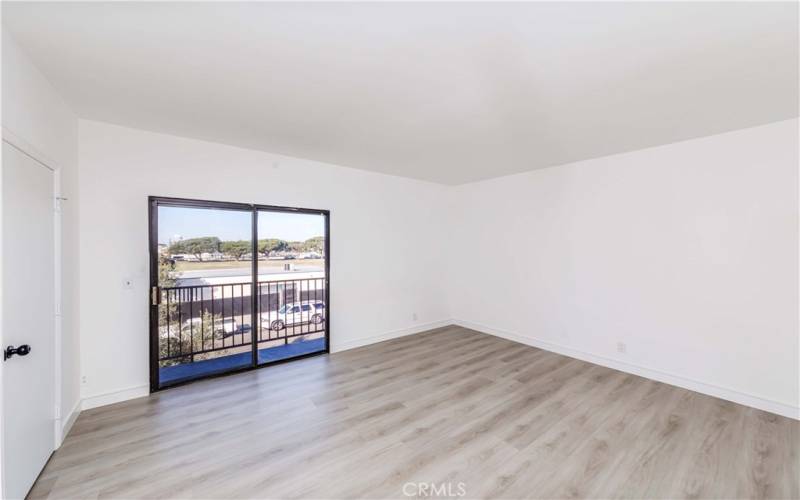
443, 407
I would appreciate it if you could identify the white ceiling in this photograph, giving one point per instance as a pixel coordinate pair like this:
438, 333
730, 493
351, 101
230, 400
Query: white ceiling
447, 92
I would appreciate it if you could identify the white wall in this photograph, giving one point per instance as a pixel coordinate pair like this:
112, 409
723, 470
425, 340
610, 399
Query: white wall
34, 114
687, 253
385, 241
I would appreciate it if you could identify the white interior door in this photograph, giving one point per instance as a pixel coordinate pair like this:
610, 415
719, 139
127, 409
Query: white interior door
28, 319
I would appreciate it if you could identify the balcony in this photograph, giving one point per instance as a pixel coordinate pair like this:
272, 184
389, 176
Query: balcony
208, 329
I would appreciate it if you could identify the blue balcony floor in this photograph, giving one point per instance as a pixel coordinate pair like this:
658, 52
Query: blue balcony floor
188, 371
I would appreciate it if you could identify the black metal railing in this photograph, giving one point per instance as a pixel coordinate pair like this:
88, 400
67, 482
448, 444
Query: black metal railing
198, 322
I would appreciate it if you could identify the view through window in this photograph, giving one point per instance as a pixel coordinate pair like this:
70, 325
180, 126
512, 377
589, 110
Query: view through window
208, 320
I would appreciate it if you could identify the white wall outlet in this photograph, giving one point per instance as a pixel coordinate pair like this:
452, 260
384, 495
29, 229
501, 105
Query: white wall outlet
414, 316
127, 283
622, 348
83, 379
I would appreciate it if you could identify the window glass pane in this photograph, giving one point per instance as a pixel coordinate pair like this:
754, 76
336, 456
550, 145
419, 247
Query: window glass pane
291, 268
205, 266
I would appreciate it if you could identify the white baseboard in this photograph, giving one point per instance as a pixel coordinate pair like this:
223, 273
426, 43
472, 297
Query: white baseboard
372, 339
114, 397
667, 378
66, 424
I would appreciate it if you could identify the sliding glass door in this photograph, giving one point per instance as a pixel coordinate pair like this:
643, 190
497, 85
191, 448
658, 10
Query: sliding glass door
234, 286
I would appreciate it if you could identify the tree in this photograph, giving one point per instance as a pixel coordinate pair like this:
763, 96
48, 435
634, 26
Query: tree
167, 311
196, 246
191, 337
271, 245
235, 248
166, 272
315, 244
295, 246
166, 279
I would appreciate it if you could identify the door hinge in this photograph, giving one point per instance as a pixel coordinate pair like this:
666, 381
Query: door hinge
57, 413
155, 296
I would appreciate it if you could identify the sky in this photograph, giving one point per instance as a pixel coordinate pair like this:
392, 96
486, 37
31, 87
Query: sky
235, 225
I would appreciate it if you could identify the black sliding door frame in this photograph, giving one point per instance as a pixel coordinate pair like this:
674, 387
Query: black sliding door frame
154, 293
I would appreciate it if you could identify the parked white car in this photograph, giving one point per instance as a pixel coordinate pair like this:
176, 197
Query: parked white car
225, 327
228, 327
296, 313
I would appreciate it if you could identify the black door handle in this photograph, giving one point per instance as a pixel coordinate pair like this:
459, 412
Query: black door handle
22, 350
